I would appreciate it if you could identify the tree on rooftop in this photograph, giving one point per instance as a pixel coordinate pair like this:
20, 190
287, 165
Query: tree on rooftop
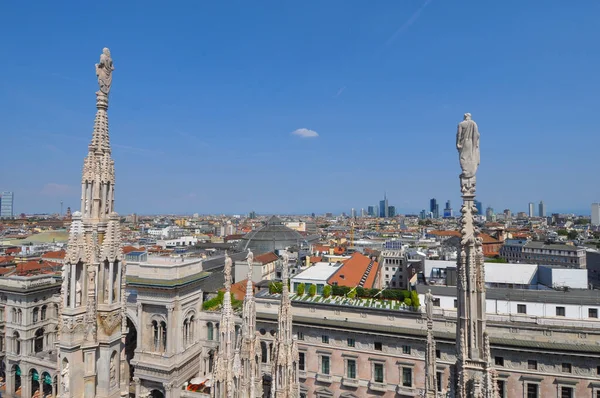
312, 290
300, 289
327, 291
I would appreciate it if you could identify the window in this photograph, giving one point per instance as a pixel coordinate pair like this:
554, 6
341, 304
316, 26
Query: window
301, 359
521, 309
378, 346
438, 354
499, 361
532, 364
532, 390
593, 313
560, 311
325, 339
300, 336
566, 392
436, 302
325, 364
455, 303
44, 310
378, 373
566, 367
38, 343
351, 342
598, 371
210, 331
406, 349
500, 384
440, 375
351, 369
407, 377
35, 315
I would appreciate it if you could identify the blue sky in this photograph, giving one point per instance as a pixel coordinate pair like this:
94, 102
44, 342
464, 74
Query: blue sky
206, 96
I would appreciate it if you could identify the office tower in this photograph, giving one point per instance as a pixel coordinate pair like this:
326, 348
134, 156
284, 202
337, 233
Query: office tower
436, 211
448, 207
433, 206
6, 206
507, 214
531, 210
383, 207
489, 214
479, 207
448, 210
362, 213
371, 211
542, 209
391, 211
353, 213
595, 214
423, 215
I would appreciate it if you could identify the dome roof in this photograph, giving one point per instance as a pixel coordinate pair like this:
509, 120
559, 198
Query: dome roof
273, 236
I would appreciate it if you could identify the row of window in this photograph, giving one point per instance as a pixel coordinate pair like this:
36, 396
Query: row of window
378, 370
377, 345
522, 309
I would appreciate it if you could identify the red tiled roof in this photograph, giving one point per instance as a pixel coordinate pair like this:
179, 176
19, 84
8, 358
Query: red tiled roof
6, 259
445, 233
5, 270
31, 266
315, 259
12, 250
57, 255
352, 270
488, 239
238, 289
266, 258
321, 249
129, 249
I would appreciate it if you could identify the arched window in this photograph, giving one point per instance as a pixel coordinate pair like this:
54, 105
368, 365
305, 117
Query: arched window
43, 313
163, 327
210, 331
185, 332
36, 312
17, 343
38, 343
191, 334
19, 316
13, 315
156, 335
56, 310
263, 351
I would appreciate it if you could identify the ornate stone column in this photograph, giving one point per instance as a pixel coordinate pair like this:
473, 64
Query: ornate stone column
170, 330
138, 386
168, 390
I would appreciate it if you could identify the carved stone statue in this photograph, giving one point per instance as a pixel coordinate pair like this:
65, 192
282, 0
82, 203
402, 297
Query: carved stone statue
250, 261
467, 143
77, 293
113, 372
104, 71
429, 304
64, 376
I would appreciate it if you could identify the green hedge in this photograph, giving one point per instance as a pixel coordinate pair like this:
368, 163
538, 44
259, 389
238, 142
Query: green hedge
217, 301
300, 289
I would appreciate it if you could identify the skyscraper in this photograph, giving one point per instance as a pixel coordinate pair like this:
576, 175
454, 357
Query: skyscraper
595, 214
479, 207
531, 209
371, 211
542, 209
391, 211
448, 210
433, 207
489, 214
6, 205
383, 207
353, 213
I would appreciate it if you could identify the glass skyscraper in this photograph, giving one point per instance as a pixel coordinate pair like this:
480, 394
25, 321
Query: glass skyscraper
6, 205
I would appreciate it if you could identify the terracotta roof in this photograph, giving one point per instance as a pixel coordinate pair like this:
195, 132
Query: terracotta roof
488, 238
129, 249
266, 258
33, 266
238, 289
57, 255
445, 233
6, 270
339, 250
315, 259
12, 250
7, 259
352, 270
321, 249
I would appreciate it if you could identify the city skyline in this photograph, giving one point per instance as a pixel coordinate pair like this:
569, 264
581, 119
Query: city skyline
234, 102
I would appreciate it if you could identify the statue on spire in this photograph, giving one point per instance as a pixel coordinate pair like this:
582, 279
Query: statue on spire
467, 143
104, 71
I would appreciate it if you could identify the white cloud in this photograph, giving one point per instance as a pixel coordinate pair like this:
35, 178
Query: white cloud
305, 133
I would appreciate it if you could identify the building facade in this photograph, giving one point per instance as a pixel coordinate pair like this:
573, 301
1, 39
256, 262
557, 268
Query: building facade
518, 250
7, 200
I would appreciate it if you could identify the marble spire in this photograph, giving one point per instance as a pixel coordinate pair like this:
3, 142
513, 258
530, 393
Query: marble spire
285, 348
430, 356
475, 373
94, 271
223, 378
250, 384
